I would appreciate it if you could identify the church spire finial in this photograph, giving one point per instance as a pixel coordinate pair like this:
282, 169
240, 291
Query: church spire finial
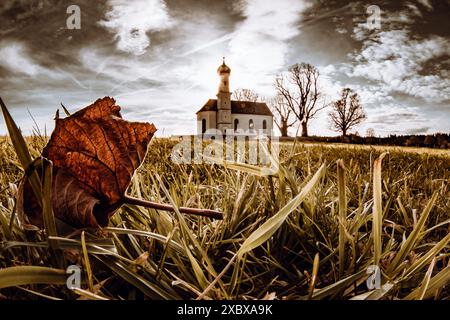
223, 68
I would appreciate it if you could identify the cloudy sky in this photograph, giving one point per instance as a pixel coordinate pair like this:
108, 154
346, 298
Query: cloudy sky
158, 58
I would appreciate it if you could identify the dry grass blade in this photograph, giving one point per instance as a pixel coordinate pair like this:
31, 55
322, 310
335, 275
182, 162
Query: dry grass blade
65, 110
377, 215
47, 211
87, 295
412, 239
315, 270
342, 214
20, 146
149, 289
200, 276
265, 231
376, 294
337, 286
16, 137
426, 279
403, 211
87, 264
427, 257
39, 294
23, 275
440, 280
163, 239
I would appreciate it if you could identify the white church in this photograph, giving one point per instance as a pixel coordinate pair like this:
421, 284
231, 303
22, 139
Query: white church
239, 117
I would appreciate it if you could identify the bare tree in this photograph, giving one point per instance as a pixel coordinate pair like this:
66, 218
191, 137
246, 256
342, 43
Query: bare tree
370, 133
241, 94
300, 92
283, 116
347, 112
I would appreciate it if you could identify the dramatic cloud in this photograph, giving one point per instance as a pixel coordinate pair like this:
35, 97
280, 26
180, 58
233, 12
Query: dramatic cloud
15, 58
396, 60
159, 58
132, 20
260, 44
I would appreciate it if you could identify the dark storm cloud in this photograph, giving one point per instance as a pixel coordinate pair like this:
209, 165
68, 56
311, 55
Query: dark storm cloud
401, 66
42, 25
394, 118
40, 55
419, 130
158, 58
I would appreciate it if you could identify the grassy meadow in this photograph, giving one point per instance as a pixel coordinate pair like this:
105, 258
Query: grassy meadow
311, 231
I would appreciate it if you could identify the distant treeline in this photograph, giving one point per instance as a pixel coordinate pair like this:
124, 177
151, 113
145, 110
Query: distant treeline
438, 140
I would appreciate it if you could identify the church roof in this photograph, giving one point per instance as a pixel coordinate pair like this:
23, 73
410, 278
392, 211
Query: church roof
241, 107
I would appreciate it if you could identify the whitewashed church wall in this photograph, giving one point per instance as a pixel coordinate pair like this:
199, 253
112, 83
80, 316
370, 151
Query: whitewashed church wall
210, 117
244, 120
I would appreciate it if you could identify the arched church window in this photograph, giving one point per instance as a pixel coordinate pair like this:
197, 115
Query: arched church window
251, 125
264, 124
203, 126
236, 124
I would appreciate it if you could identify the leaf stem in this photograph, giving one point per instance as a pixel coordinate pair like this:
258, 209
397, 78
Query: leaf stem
167, 207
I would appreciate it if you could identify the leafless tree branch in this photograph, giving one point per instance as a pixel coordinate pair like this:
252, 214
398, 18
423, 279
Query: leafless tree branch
241, 94
347, 112
300, 91
283, 117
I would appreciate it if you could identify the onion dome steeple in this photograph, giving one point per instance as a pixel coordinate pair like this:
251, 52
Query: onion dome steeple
223, 68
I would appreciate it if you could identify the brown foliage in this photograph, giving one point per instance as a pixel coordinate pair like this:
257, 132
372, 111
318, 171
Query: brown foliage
94, 154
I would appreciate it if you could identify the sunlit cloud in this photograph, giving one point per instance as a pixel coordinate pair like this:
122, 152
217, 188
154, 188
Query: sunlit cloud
15, 57
396, 61
159, 58
132, 20
260, 44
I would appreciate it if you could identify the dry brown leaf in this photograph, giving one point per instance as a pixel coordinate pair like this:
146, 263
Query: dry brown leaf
94, 154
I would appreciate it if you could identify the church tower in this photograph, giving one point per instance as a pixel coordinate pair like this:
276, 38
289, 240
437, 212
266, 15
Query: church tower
224, 98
